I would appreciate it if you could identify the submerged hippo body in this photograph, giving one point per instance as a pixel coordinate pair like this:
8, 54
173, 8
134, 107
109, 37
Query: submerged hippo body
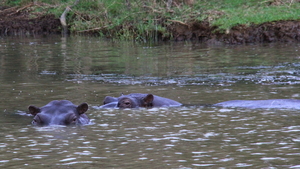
135, 100
59, 112
109, 105
262, 104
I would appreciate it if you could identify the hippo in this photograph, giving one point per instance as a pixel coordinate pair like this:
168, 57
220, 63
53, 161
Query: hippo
262, 104
135, 100
59, 112
109, 105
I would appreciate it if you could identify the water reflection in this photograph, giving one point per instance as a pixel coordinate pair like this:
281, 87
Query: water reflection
92, 56
40, 69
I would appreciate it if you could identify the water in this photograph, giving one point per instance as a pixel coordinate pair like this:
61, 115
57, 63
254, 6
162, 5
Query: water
36, 70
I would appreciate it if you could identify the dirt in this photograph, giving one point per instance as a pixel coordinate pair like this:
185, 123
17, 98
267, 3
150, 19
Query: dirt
20, 21
280, 31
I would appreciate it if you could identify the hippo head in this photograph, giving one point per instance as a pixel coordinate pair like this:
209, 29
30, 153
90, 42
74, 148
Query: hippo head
59, 112
129, 101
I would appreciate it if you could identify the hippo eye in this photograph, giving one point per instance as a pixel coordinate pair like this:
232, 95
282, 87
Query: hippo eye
37, 120
33, 121
72, 119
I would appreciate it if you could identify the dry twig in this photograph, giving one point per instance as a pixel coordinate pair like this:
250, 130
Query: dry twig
94, 29
180, 22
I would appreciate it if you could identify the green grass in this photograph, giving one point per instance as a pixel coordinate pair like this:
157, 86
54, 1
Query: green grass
256, 13
149, 19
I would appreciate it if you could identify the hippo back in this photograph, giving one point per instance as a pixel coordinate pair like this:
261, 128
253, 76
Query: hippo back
263, 104
164, 102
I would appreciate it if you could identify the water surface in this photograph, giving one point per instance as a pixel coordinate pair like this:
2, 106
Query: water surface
36, 70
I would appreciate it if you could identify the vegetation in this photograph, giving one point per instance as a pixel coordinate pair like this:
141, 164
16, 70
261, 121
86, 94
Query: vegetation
151, 19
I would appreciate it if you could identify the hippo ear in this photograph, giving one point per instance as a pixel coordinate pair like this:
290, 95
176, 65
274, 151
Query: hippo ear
82, 108
34, 110
148, 100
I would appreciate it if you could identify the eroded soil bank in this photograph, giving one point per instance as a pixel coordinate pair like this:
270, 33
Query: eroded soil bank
280, 31
20, 21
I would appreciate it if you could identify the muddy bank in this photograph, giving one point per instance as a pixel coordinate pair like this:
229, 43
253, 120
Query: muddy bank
20, 21
280, 31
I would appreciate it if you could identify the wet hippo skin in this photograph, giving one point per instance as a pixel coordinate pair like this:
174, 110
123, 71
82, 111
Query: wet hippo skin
59, 112
135, 100
263, 104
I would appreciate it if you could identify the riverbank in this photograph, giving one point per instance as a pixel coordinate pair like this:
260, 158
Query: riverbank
228, 21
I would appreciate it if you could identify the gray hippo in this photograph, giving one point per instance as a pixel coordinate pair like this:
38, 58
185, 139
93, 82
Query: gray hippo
59, 112
135, 100
263, 104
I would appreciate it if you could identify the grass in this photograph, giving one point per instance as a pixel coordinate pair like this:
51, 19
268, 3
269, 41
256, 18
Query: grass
257, 13
144, 20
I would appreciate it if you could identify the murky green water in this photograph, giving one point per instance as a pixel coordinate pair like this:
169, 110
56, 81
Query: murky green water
81, 69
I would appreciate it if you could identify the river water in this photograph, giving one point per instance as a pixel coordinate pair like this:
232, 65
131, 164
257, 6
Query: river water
36, 70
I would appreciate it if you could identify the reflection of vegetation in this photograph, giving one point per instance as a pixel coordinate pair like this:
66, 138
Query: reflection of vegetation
164, 63
89, 56
149, 19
